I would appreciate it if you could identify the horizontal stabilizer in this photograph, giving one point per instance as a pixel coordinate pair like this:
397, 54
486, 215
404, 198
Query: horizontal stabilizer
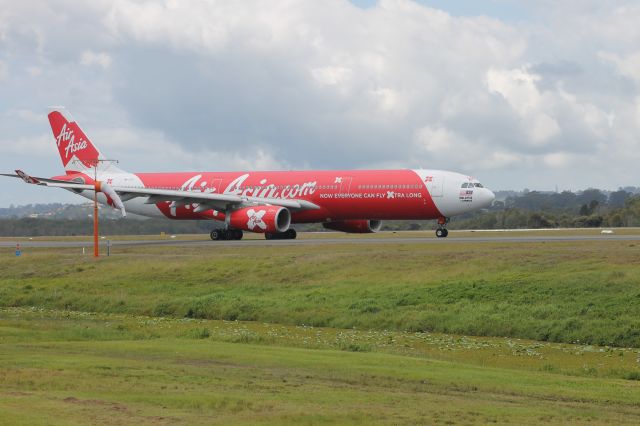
25, 177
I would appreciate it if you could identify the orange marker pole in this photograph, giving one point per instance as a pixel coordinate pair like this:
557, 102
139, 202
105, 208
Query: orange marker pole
96, 250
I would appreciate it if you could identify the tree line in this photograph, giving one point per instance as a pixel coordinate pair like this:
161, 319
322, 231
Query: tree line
591, 208
35, 227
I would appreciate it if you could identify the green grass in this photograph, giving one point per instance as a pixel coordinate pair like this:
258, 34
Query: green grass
20, 325
78, 368
562, 292
383, 333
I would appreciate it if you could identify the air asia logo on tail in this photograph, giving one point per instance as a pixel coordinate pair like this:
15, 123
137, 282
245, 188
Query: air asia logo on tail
71, 141
72, 146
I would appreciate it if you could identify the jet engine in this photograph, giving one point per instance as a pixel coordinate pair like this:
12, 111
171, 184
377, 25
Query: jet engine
261, 219
355, 226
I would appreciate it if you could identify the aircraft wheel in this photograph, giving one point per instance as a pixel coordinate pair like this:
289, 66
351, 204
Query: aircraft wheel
291, 234
215, 235
442, 232
237, 234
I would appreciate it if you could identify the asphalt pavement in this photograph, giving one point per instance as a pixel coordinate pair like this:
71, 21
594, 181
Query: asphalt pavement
324, 241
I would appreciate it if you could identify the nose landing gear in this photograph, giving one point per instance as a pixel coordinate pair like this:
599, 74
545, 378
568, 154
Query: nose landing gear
442, 232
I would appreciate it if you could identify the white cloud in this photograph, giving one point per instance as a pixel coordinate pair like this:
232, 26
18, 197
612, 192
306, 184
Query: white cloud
140, 150
26, 115
542, 128
437, 140
442, 144
389, 100
280, 84
558, 159
627, 65
40, 146
90, 58
34, 71
332, 76
199, 25
518, 88
4, 72
501, 159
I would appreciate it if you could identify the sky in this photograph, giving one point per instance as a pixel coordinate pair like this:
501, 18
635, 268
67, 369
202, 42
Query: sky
519, 94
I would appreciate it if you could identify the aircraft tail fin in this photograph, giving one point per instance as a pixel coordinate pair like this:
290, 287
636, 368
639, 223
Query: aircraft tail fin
76, 150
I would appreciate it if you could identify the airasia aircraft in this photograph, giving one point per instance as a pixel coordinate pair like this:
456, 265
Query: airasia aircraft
353, 201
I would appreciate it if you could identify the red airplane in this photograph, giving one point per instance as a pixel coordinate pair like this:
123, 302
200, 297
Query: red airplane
353, 201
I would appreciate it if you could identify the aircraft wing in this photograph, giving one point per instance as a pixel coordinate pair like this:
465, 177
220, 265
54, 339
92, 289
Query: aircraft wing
206, 200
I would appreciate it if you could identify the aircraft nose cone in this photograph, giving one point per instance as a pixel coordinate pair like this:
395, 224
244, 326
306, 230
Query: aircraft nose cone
492, 196
487, 197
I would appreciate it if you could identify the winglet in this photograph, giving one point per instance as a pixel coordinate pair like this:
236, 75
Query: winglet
25, 177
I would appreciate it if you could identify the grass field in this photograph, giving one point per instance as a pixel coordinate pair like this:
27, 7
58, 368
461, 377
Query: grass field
349, 333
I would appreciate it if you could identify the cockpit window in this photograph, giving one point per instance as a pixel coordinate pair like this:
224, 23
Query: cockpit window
478, 185
465, 185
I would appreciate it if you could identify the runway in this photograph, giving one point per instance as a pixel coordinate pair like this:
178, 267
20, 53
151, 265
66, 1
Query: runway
7, 243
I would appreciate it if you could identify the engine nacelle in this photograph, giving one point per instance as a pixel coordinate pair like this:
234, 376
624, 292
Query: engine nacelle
355, 226
261, 219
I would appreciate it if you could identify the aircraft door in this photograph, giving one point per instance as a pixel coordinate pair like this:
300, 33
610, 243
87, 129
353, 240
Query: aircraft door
435, 185
344, 183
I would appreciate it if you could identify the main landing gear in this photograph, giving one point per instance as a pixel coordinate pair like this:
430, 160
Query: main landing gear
226, 234
442, 232
289, 234
236, 234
